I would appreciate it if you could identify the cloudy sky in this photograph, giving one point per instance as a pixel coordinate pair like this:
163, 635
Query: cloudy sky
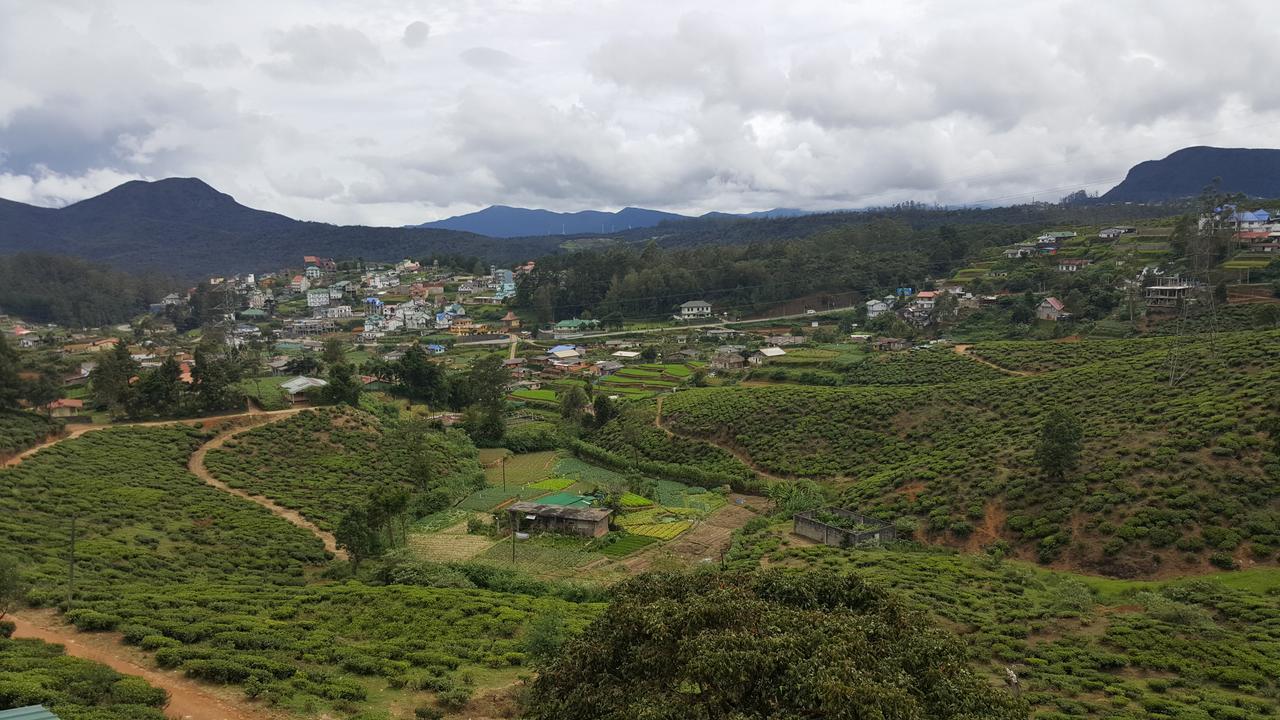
383, 112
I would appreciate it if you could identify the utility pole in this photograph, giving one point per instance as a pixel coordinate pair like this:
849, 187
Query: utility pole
504, 473
71, 564
515, 528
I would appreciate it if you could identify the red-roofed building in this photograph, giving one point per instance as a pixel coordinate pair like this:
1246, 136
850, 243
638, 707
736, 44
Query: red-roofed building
1051, 308
65, 407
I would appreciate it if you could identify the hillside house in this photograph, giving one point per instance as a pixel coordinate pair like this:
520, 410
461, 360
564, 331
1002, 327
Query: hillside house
1170, 292
925, 300
312, 272
566, 329
65, 407
766, 354
784, 340
728, 361
299, 284
888, 344
1112, 233
1051, 308
510, 321
323, 263
296, 389
566, 519
1021, 250
171, 299
694, 310
1073, 264
318, 298
876, 308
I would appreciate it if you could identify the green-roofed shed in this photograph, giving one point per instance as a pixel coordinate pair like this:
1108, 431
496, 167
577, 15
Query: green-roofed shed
253, 313
31, 712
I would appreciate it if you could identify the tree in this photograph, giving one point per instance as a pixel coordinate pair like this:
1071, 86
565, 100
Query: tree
759, 645
649, 353
12, 589
109, 381
603, 409
544, 636
1059, 450
303, 365
488, 379
10, 385
573, 404
484, 424
42, 391
343, 386
159, 392
421, 379
334, 352
357, 536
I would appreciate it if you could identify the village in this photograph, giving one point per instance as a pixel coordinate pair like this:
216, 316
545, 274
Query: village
281, 320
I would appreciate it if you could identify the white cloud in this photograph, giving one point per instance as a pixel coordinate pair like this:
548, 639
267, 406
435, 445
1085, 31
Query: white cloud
399, 112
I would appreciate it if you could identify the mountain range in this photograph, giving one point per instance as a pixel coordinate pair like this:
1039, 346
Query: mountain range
1185, 173
185, 227
507, 222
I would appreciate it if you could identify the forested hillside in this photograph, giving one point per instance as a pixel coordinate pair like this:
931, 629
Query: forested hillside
73, 292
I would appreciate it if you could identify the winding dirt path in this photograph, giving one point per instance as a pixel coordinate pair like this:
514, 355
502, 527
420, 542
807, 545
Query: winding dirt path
964, 350
197, 467
188, 700
741, 456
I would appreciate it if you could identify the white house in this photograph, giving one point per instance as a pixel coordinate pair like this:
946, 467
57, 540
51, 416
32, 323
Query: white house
1051, 308
312, 272
695, 310
876, 308
1073, 264
338, 311
765, 354
297, 388
318, 298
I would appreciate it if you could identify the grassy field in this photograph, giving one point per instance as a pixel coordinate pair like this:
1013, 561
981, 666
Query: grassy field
537, 396
522, 469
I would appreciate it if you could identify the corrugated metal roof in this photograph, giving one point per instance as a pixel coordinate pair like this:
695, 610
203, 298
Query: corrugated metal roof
31, 712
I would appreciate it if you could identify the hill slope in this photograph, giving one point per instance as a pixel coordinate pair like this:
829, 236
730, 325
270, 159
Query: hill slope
186, 227
505, 222
1254, 172
1171, 479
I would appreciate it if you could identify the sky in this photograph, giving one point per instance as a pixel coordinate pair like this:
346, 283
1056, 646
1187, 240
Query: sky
389, 113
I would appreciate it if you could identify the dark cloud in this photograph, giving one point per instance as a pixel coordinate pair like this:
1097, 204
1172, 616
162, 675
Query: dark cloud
415, 34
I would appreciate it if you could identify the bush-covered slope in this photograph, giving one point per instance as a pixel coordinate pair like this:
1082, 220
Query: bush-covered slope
1169, 475
1081, 646
21, 430
220, 589
33, 672
325, 462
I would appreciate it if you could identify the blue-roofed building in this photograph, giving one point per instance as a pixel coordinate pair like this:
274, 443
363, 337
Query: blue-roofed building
561, 348
31, 712
435, 349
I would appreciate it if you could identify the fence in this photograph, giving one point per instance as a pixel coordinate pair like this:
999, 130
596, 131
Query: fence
870, 530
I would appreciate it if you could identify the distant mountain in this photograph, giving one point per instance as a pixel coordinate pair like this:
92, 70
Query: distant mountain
184, 227
761, 214
505, 222
1186, 172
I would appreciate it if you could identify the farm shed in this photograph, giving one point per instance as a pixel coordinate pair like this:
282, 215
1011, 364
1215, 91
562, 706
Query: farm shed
857, 529
571, 520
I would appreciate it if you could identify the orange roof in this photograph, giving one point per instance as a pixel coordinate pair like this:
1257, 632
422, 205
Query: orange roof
66, 403
510, 315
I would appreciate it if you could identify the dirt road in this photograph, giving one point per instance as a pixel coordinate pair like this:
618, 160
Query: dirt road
188, 700
964, 350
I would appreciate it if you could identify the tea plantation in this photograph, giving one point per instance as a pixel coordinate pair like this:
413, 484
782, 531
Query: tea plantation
1081, 647
222, 590
1171, 476
324, 462
21, 430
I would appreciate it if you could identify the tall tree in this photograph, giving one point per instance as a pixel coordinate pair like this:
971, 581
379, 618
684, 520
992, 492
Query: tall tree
343, 386
1058, 452
333, 352
488, 380
421, 379
573, 404
110, 380
761, 645
10, 385
358, 536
